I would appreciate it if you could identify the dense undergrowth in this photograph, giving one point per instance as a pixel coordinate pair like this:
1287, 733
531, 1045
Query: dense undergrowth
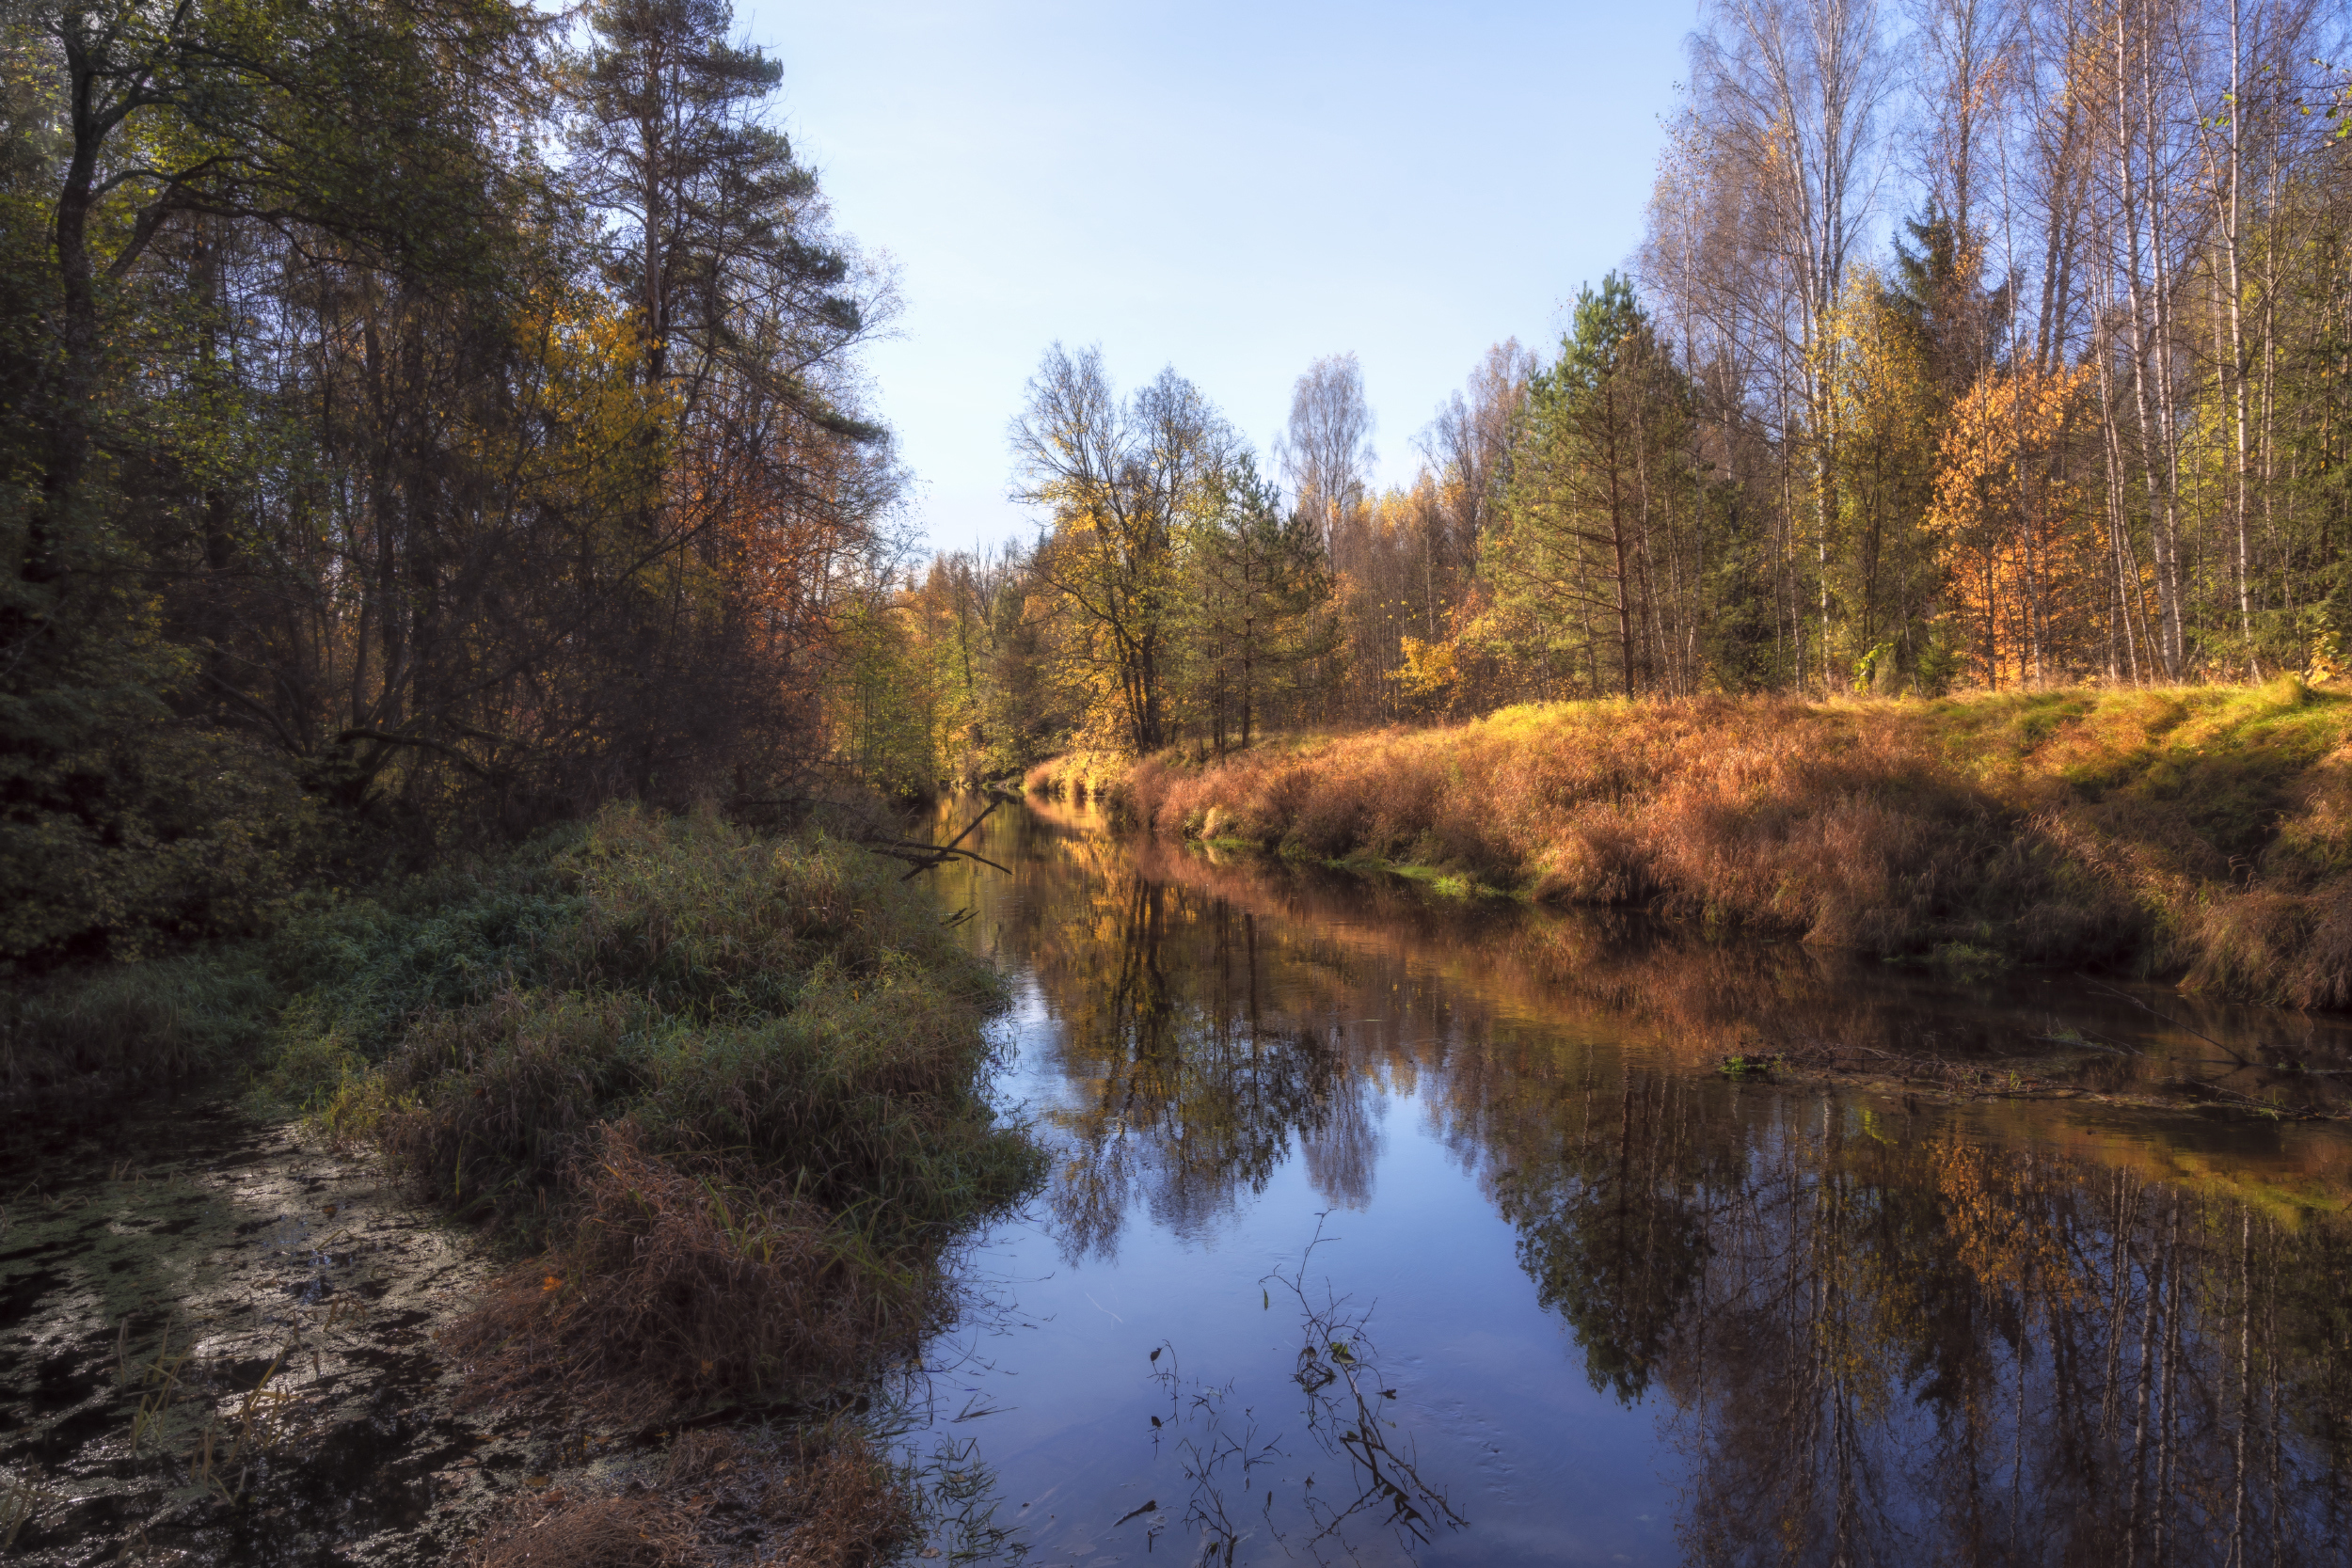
2204, 833
725, 1090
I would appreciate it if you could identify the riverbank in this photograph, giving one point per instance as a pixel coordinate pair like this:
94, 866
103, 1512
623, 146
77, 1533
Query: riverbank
2201, 834
705, 1108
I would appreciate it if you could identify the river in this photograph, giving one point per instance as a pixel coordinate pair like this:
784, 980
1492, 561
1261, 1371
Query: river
1383, 1227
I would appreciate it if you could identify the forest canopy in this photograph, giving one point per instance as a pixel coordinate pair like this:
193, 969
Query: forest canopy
431, 419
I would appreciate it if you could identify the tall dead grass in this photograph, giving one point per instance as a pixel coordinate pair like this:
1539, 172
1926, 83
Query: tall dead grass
2195, 833
675, 1277
833, 1503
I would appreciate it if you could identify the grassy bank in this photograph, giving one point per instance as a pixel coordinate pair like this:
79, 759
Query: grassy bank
728, 1089
717, 1098
2202, 833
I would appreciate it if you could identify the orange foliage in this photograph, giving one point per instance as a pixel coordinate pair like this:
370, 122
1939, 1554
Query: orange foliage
2020, 549
2054, 829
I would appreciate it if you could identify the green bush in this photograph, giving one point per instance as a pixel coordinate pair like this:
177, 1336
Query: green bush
787, 1003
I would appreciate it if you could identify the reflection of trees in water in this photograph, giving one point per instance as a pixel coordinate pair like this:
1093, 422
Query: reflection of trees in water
1188, 1092
1886, 1349
1610, 1228
1877, 1337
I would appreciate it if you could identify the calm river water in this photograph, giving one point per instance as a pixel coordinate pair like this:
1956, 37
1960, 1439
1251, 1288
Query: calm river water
1384, 1227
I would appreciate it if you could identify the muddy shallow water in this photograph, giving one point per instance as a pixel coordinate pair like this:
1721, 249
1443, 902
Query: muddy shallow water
215, 1347
1385, 1228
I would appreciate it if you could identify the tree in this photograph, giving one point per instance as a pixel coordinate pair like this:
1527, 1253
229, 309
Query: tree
145, 144
1794, 87
1260, 584
1117, 479
1327, 455
353, 502
1600, 458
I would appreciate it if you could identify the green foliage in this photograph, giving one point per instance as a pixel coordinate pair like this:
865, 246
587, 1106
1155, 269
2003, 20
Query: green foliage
371, 488
791, 1003
1256, 615
139, 1023
1600, 465
124, 828
889, 703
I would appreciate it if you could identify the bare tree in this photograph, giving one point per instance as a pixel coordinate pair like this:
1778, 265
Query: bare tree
1468, 445
1963, 69
1794, 87
1327, 455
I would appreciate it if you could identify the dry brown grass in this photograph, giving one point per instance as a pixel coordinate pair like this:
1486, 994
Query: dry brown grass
2203, 833
557, 1530
832, 1502
846, 1508
677, 1278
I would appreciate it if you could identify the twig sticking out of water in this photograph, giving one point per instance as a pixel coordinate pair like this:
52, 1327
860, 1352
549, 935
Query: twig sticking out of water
925, 857
2143, 1004
1339, 1372
1339, 1369
20, 1501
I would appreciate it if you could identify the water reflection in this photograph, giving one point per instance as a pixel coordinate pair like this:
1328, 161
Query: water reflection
1186, 1097
1851, 1327
1374, 1492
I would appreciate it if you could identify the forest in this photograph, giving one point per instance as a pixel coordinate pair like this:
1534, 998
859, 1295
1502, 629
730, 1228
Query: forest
425, 424
1969, 345
477, 703
414, 468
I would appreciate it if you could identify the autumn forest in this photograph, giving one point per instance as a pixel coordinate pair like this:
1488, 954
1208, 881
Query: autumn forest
1974, 346
1733, 948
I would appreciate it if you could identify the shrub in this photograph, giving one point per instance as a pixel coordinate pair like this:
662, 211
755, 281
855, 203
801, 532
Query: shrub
136, 1023
735, 1085
678, 1278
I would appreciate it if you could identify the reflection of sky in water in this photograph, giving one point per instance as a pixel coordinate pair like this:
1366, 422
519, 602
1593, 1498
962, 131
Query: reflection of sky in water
1629, 1312
1505, 1423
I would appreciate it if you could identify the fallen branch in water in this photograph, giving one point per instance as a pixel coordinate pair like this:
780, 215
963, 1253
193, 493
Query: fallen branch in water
1818, 1055
2144, 1005
925, 857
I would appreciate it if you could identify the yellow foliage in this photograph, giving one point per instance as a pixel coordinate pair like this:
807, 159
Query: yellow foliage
2012, 529
2328, 659
1429, 669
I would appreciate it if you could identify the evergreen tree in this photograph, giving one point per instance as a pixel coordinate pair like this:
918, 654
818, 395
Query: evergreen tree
1602, 466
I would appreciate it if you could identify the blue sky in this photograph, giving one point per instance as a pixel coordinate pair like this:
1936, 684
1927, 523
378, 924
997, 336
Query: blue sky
1230, 189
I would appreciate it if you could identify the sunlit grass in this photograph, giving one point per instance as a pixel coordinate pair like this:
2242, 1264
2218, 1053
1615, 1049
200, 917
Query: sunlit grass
2199, 831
